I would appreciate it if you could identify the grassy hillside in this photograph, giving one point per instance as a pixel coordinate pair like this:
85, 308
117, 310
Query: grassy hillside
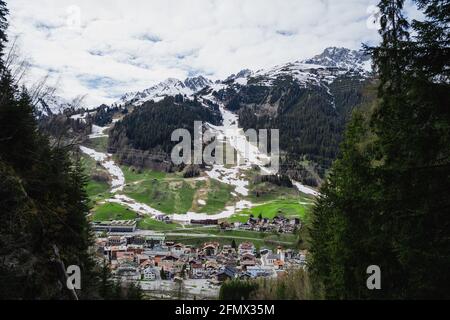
289, 208
112, 211
171, 193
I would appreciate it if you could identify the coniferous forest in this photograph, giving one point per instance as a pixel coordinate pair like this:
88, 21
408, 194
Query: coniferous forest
386, 201
43, 206
377, 153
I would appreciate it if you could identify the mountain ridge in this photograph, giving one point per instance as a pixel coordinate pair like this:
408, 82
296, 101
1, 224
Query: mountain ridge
325, 67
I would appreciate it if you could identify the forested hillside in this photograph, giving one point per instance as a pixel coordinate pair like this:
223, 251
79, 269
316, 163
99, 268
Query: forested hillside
143, 137
310, 128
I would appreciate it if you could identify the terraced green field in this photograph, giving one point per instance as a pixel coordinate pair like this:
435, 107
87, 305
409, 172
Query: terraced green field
133, 175
166, 196
289, 208
152, 224
112, 211
171, 193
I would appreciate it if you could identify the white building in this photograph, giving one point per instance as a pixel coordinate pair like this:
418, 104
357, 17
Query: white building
150, 273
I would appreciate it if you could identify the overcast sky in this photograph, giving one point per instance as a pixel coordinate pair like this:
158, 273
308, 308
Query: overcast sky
105, 48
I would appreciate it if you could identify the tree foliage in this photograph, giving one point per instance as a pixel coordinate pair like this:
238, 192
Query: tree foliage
386, 201
43, 205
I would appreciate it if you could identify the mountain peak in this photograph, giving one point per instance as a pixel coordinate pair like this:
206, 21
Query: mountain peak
322, 67
197, 83
168, 87
342, 58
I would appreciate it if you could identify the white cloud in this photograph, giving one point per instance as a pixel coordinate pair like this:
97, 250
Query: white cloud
123, 46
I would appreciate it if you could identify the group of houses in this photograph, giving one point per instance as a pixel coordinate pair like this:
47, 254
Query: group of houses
277, 224
151, 257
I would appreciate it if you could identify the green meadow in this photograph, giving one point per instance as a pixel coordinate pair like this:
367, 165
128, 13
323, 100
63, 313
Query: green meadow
289, 208
112, 211
152, 224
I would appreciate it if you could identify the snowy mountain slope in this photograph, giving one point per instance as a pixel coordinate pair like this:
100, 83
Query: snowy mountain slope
323, 68
342, 58
320, 70
51, 104
169, 87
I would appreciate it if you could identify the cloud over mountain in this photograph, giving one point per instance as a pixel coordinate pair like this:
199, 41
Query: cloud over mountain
105, 48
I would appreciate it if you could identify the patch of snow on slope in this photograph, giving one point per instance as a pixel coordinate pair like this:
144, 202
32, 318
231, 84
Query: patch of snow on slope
140, 208
98, 132
117, 176
247, 155
304, 189
229, 176
80, 116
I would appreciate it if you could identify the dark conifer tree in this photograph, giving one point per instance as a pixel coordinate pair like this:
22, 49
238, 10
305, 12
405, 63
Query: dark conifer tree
385, 202
43, 205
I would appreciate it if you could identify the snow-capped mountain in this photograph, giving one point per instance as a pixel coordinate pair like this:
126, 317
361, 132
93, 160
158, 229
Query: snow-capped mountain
320, 70
52, 104
240, 78
342, 58
197, 83
323, 68
169, 87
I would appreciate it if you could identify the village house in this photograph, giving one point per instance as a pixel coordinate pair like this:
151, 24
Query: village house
136, 248
128, 273
260, 271
111, 252
246, 260
275, 261
141, 258
167, 264
210, 248
196, 270
211, 267
117, 241
226, 273
177, 249
154, 239
157, 251
125, 257
228, 250
150, 273
246, 247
